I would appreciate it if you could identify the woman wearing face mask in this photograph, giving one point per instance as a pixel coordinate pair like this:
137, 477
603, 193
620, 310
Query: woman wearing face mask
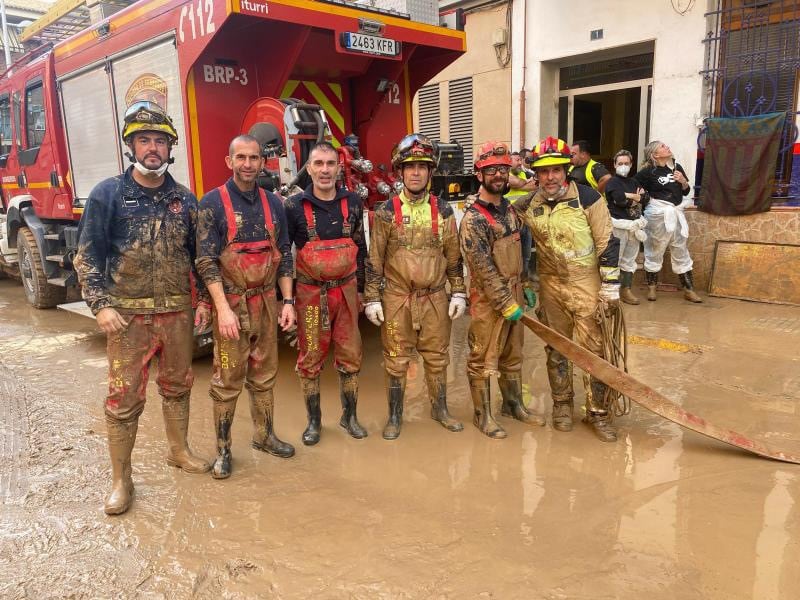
625, 202
666, 183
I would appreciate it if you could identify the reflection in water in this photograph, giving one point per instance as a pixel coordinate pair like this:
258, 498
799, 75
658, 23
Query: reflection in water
774, 569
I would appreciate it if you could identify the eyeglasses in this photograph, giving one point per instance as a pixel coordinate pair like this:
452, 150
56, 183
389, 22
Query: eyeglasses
503, 170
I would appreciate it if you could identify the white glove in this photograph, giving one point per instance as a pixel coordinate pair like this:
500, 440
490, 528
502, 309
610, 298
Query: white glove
639, 233
609, 292
458, 305
374, 312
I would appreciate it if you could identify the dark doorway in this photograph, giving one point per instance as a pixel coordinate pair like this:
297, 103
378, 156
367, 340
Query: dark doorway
609, 121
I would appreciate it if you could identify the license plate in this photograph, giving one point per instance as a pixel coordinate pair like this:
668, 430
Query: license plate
370, 44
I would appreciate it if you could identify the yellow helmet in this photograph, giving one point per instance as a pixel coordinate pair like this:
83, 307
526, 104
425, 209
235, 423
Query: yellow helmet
144, 115
551, 151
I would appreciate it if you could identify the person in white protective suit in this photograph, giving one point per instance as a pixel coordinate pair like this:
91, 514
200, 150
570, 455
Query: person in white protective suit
666, 184
626, 200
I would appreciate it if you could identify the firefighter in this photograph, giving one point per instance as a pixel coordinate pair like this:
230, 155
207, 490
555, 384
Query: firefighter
242, 248
326, 227
134, 262
578, 272
413, 254
490, 241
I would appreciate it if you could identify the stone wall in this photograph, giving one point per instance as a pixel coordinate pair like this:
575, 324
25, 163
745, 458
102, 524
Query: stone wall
779, 226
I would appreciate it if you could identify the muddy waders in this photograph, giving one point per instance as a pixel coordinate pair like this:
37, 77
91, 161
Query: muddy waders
176, 423
482, 402
121, 438
348, 390
262, 406
395, 391
437, 390
310, 388
511, 390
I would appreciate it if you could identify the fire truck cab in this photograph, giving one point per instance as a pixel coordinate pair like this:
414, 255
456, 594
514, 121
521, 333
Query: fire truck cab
290, 72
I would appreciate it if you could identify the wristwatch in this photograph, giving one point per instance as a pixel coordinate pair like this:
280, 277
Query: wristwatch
288, 301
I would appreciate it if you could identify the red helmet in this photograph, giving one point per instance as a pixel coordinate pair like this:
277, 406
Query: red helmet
492, 153
551, 151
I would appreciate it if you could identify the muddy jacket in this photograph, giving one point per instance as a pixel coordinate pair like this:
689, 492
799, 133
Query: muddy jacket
136, 254
386, 239
328, 216
212, 231
477, 240
573, 235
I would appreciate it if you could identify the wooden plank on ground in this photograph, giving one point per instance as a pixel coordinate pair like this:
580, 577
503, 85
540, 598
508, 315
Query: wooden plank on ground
756, 271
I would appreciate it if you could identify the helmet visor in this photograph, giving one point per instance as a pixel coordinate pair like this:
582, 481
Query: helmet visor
145, 111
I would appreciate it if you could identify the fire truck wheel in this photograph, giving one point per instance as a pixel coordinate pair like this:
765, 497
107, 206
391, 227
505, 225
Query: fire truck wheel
34, 281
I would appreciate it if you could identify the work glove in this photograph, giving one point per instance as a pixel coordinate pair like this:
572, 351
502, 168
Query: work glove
640, 234
458, 305
609, 293
374, 312
530, 295
513, 313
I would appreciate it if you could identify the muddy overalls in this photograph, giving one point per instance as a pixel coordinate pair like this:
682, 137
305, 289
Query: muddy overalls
249, 272
415, 306
569, 280
495, 343
327, 311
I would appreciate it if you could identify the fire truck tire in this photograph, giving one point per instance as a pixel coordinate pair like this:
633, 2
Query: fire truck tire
34, 280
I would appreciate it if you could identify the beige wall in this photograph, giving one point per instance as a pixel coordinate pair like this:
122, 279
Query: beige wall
491, 83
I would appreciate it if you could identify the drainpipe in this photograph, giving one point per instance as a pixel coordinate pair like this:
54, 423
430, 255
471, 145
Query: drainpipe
5, 35
522, 143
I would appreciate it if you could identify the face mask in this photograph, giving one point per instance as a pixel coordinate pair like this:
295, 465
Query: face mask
151, 172
623, 170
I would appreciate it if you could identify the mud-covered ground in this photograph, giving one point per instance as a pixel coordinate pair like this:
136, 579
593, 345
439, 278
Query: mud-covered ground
663, 513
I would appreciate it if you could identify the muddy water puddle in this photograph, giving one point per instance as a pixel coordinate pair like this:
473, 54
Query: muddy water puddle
663, 513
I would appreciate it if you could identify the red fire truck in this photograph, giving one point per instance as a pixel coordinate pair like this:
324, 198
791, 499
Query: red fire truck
287, 71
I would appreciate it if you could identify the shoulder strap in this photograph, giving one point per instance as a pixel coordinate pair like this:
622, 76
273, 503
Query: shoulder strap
397, 206
434, 214
345, 218
230, 217
487, 215
311, 220
267, 213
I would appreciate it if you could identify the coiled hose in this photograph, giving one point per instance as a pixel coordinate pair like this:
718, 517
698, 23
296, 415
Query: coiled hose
614, 336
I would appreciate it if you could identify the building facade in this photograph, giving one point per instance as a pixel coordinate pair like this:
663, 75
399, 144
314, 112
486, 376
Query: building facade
623, 73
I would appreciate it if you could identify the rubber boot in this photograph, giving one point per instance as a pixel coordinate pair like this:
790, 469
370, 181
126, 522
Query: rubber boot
652, 284
511, 390
121, 438
437, 390
223, 419
310, 389
395, 391
559, 374
562, 415
482, 402
176, 423
687, 281
597, 414
262, 406
348, 390
625, 283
